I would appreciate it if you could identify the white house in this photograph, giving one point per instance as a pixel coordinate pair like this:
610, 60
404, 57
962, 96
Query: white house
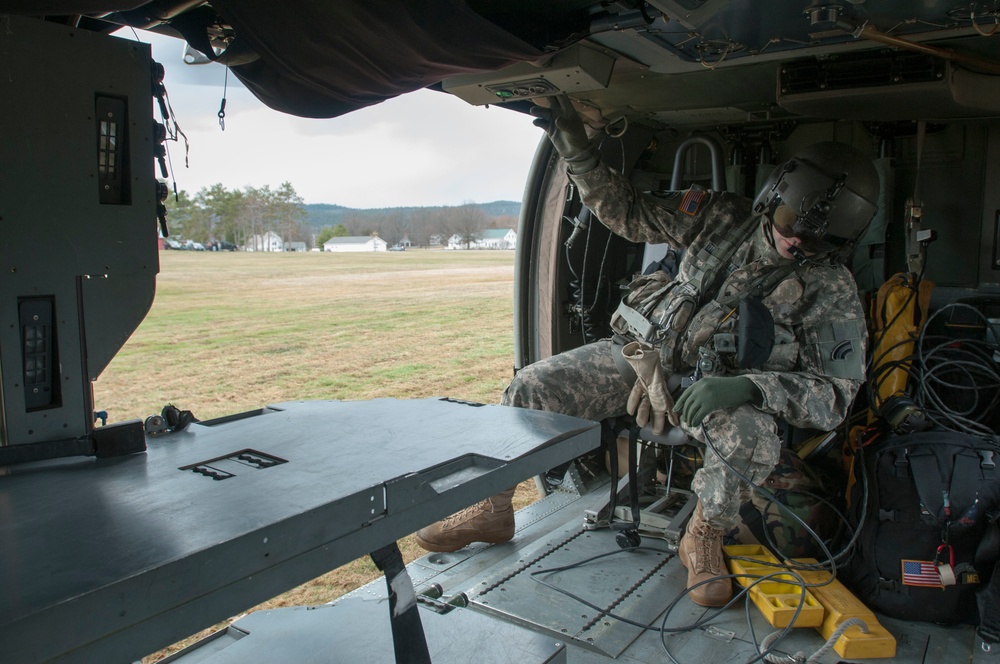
356, 244
491, 238
269, 241
497, 238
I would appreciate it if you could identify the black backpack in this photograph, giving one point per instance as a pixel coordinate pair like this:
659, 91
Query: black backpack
933, 500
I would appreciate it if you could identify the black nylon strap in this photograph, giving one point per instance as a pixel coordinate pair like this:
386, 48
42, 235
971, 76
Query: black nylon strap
633, 475
927, 480
988, 600
408, 639
964, 484
611, 440
988, 551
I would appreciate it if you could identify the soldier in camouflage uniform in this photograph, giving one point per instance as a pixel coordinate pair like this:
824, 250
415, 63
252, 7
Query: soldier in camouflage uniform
784, 249
804, 491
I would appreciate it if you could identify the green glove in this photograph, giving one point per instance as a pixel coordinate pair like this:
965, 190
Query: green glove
565, 129
715, 393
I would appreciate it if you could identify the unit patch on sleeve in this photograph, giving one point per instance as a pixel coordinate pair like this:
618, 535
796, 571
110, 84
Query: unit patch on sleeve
692, 201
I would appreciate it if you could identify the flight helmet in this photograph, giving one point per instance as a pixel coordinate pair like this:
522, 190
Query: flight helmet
825, 195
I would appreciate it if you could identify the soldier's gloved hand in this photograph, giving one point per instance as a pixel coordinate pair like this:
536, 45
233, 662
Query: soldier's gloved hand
565, 129
649, 399
715, 393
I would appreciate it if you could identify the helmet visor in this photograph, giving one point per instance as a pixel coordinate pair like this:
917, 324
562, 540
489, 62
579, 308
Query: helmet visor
789, 225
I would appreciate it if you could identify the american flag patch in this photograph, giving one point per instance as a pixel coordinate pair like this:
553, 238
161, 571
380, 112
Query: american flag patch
921, 573
691, 201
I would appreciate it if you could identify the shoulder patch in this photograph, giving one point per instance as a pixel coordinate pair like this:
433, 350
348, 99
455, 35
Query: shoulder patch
841, 349
691, 201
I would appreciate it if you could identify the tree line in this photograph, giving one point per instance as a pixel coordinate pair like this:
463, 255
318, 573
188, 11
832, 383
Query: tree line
223, 215
418, 225
219, 214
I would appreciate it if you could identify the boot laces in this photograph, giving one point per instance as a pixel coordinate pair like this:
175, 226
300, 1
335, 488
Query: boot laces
469, 513
709, 558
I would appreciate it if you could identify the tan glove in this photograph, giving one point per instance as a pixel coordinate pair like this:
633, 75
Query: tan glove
649, 398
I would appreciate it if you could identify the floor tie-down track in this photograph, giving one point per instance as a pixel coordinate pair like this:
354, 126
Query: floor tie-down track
480, 604
519, 595
497, 581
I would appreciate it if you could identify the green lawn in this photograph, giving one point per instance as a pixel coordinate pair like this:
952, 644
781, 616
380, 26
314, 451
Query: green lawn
230, 332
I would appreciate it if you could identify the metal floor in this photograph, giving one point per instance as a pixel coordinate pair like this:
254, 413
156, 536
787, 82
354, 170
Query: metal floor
502, 581
507, 617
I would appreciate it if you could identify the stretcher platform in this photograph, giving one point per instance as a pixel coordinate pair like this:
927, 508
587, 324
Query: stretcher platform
108, 560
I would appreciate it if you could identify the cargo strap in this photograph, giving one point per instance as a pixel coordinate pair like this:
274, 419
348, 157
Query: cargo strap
958, 500
624, 368
408, 639
613, 430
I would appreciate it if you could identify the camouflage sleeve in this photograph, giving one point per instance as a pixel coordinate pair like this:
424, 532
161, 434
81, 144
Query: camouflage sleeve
830, 368
643, 217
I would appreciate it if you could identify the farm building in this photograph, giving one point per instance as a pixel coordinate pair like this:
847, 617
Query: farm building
269, 241
356, 244
491, 238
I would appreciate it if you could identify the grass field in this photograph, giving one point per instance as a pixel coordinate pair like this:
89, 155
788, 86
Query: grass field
234, 331
230, 332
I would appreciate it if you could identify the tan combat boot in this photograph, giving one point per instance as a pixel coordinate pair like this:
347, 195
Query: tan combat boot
490, 521
700, 552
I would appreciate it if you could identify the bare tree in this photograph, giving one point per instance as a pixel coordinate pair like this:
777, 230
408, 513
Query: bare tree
423, 224
470, 222
392, 225
357, 224
506, 221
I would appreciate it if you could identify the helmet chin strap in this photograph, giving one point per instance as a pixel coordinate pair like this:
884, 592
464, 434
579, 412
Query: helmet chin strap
827, 258
798, 254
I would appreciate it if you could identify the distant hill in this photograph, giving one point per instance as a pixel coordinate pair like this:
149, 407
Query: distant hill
320, 215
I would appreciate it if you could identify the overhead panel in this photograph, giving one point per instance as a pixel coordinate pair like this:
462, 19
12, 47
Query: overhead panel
576, 69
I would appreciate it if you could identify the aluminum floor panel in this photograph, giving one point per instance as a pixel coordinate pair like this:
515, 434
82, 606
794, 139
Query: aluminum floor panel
496, 579
354, 630
514, 590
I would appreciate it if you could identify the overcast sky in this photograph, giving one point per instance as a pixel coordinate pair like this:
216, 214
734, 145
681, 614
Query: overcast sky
420, 149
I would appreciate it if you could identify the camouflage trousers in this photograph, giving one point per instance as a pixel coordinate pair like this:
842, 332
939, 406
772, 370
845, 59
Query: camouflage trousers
585, 382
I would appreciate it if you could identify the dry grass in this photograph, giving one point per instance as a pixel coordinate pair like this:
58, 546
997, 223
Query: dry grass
231, 332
